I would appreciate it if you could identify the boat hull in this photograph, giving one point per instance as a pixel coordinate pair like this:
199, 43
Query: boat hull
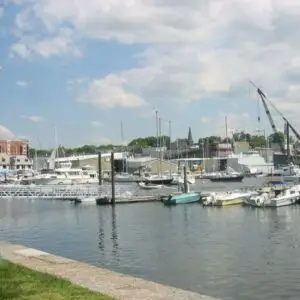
159, 181
227, 179
182, 199
237, 201
147, 186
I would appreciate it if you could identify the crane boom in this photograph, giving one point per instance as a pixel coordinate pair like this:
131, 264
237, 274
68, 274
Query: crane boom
263, 98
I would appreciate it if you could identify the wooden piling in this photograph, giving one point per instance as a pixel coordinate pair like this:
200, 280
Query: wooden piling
185, 179
99, 168
113, 190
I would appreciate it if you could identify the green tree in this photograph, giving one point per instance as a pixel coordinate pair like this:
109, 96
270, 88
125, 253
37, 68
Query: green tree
276, 138
150, 141
257, 141
241, 136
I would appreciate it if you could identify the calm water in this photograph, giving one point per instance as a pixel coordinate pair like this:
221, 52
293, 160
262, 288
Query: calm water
231, 253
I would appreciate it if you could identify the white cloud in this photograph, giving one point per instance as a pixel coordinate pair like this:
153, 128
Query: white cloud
29, 46
5, 133
35, 119
205, 120
21, 83
100, 140
110, 92
197, 50
235, 122
97, 124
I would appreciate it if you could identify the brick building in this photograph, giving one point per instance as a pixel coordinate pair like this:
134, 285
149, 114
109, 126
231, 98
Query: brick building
14, 147
14, 155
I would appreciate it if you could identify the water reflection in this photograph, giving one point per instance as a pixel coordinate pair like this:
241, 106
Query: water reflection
108, 215
101, 234
114, 234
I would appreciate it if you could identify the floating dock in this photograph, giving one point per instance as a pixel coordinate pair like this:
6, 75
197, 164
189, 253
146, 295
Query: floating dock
77, 193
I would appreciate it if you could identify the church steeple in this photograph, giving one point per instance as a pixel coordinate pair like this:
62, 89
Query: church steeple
190, 137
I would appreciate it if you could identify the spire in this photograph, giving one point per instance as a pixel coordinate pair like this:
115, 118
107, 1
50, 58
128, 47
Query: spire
190, 137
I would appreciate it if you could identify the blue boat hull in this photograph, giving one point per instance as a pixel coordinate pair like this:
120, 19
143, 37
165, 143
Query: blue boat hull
183, 199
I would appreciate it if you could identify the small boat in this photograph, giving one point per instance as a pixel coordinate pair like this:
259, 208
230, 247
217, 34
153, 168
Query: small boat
157, 179
287, 196
260, 197
231, 198
85, 200
227, 178
150, 186
184, 198
208, 199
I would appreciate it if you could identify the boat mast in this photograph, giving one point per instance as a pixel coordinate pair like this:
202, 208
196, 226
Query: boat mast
122, 143
170, 133
156, 118
160, 144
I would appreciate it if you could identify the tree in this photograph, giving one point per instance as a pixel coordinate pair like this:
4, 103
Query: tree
150, 141
276, 138
257, 141
241, 136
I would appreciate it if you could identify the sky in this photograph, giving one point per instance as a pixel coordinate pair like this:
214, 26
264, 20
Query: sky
81, 68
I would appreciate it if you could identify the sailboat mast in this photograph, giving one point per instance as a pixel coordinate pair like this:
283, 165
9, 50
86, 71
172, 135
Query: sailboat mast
122, 133
156, 119
160, 144
170, 133
56, 142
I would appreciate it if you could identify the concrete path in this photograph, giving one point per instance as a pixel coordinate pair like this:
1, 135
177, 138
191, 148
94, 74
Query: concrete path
97, 279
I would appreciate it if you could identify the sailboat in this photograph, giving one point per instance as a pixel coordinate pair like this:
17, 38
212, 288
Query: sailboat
158, 178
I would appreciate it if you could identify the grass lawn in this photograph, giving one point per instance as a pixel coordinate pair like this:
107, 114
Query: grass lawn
17, 282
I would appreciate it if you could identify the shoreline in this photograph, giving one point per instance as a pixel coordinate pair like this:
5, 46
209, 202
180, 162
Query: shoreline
104, 281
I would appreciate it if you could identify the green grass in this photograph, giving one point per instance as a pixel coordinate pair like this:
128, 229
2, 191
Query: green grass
20, 283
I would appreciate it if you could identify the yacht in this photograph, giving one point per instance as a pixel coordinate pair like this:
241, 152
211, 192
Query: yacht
157, 178
63, 176
179, 178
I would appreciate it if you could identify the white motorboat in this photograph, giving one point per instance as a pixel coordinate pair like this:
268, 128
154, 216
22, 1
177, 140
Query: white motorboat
225, 198
261, 197
63, 176
178, 178
86, 200
287, 196
150, 186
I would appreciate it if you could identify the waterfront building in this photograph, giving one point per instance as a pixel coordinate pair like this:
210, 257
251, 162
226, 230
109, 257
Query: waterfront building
14, 155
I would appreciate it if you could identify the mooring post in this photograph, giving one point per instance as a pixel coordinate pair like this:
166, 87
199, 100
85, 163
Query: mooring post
99, 168
185, 179
113, 190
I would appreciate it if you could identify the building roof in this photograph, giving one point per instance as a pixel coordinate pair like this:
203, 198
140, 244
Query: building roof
142, 159
117, 155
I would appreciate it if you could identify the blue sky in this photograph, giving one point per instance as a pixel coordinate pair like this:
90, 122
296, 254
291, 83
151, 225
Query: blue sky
83, 66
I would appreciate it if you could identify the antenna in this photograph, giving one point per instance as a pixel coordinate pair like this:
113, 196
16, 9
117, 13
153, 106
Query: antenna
122, 133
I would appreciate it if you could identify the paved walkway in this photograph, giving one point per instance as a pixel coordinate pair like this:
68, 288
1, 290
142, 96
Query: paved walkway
97, 279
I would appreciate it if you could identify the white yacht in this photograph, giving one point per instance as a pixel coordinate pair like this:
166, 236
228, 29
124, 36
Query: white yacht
179, 178
288, 196
63, 176
275, 197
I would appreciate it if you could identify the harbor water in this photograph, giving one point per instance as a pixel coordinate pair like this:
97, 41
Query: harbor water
231, 253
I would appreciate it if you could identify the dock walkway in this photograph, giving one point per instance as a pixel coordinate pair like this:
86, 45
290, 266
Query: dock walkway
96, 279
72, 193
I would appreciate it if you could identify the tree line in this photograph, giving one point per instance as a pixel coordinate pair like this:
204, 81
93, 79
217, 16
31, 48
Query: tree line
152, 141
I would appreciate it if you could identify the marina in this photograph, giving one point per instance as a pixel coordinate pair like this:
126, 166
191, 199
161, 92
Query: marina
207, 243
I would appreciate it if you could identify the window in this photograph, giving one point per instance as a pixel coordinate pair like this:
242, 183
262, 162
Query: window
3, 159
21, 149
26, 159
